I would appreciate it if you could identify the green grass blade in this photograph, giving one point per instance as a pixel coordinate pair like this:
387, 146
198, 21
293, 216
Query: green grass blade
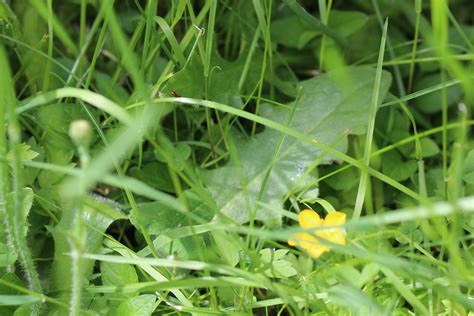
370, 129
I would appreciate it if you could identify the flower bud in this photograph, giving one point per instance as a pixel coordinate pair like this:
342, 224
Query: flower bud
80, 132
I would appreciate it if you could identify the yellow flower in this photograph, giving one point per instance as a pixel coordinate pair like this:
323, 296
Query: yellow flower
310, 242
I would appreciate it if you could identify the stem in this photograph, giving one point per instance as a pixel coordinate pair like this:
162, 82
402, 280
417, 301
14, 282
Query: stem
76, 243
13, 201
415, 44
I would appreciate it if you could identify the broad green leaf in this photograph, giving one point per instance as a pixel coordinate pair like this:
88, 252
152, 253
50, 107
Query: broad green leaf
98, 213
363, 47
188, 82
223, 79
435, 183
154, 174
291, 31
302, 264
457, 45
54, 119
432, 103
181, 152
159, 218
116, 92
469, 177
275, 264
142, 305
397, 169
384, 5
458, 40
347, 22
344, 180
429, 148
119, 275
129, 19
33, 29
187, 248
228, 246
329, 106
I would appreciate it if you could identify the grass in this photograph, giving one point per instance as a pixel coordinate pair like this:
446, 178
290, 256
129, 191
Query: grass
155, 156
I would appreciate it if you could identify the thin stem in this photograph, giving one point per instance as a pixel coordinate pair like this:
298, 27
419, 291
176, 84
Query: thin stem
415, 44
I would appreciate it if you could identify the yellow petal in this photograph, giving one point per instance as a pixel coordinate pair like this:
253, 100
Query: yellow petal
334, 234
303, 240
324, 233
310, 242
317, 250
335, 219
293, 241
337, 238
309, 219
